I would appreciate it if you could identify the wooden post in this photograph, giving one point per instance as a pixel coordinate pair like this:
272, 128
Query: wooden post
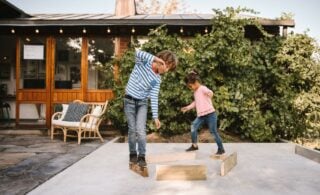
18, 70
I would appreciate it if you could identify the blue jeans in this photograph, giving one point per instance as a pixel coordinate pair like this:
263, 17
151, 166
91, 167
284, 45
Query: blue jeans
211, 120
136, 113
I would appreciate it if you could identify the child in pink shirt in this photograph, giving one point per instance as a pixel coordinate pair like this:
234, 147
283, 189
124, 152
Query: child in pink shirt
205, 111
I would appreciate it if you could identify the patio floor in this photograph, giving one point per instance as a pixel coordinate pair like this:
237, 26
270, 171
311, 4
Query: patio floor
263, 168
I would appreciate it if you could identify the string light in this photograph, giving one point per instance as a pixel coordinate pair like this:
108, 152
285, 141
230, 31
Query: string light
206, 30
181, 30
108, 30
133, 30
13, 31
60, 30
37, 31
84, 30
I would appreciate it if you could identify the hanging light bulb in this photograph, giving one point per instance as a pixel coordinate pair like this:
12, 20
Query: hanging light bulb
60, 30
108, 30
133, 30
13, 31
206, 30
181, 30
84, 30
37, 31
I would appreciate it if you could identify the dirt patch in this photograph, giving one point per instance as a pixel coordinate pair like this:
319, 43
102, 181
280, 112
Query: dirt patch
309, 143
204, 136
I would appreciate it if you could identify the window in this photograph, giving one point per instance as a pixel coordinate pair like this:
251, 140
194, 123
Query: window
100, 71
33, 63
68, 63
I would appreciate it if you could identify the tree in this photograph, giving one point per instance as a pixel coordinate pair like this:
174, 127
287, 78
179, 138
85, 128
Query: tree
264, 89
155, 7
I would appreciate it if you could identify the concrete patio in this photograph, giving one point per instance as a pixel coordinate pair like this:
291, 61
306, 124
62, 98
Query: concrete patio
29, 158
263, 168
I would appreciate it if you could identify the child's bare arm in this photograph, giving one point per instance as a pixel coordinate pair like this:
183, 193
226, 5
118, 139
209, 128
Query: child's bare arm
184, 109
159, 60
189, 107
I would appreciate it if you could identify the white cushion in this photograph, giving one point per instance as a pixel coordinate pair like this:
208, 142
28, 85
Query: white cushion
65, 123
64, 110
71, 124
95, 112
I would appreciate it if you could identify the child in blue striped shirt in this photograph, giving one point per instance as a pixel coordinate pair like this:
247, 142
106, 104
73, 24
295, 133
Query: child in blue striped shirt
144, 83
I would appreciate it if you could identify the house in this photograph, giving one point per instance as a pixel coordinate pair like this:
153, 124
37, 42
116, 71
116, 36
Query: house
50, 59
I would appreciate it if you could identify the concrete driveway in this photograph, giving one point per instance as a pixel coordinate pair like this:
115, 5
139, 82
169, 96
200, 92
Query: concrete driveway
263, 168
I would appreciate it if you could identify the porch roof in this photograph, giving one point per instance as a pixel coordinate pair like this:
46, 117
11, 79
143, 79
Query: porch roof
135, 20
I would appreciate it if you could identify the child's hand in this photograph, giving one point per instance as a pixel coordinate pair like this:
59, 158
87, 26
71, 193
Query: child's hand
184, 109
159, 61
209, 94
157, 123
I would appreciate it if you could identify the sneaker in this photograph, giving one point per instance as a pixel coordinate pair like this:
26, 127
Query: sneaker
142, 161
133, 158
192, 148
220, 151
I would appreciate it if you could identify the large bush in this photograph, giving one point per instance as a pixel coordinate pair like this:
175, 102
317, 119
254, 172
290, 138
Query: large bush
263, 89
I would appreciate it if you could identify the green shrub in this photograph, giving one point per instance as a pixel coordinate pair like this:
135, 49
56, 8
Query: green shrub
262, 88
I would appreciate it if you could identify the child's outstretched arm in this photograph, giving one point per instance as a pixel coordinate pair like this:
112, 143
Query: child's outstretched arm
189, 107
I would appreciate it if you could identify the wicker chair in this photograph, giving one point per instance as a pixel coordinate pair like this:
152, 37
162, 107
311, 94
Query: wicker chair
86, 128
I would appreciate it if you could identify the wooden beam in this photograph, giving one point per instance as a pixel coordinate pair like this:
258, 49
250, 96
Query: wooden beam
308, 153
181, 172
160, 158
228, 163
84, 68
18, 71
218, 157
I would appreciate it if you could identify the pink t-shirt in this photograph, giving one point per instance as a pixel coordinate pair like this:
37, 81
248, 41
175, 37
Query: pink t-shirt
202, 101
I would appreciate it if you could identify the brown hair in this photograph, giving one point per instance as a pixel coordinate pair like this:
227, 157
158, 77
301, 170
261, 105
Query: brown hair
192, 77
169, 58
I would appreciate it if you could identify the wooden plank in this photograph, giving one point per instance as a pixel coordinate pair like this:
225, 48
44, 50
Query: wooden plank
228, 163
308, 153
143, 171
218, 157
160, 158
181, 172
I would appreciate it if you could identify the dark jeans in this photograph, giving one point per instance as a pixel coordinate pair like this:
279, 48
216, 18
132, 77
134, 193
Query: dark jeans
211, 121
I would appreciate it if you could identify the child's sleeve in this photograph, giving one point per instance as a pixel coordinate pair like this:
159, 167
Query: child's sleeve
144, 57
154, 93
207, 91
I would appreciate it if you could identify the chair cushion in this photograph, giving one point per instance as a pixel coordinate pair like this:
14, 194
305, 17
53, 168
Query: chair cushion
72, 124
65, 123
75, 112
95, 112
64, 111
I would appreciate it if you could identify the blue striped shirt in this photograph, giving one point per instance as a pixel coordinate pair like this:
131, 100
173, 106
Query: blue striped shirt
143, 82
